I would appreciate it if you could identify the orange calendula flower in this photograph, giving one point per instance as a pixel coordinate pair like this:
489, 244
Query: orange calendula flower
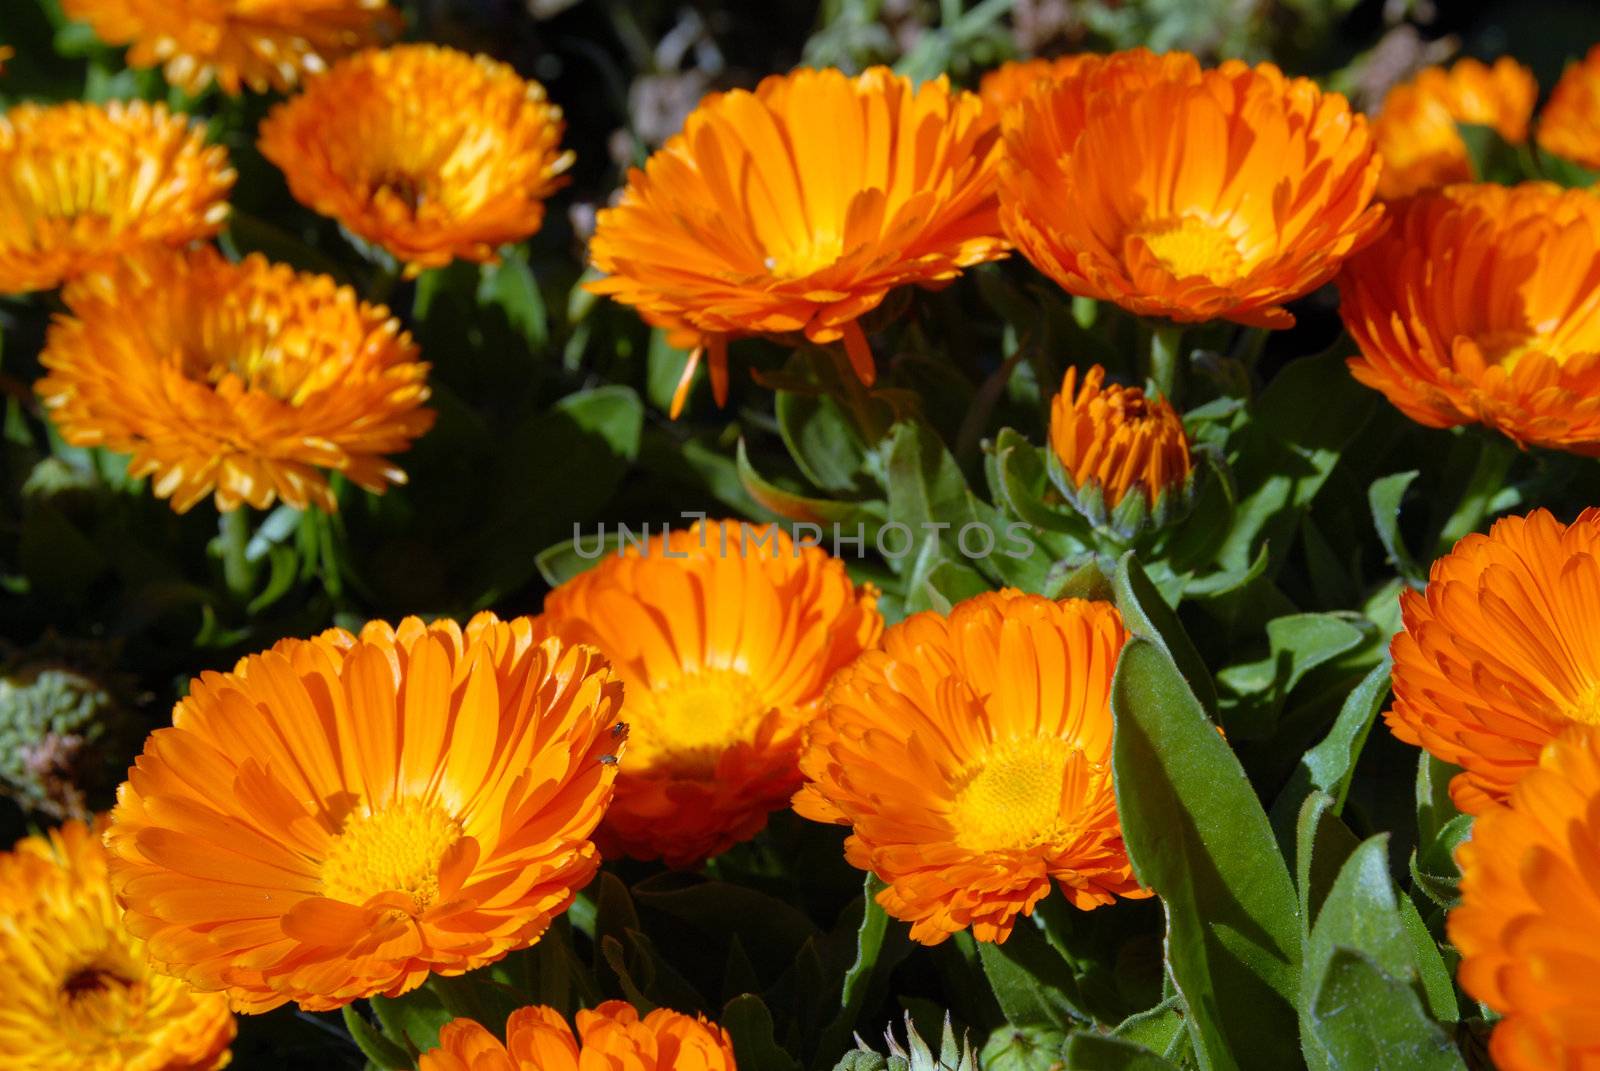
1113, 443
613, 1036
798, 207
341, 816
1479, 306
971, 757
244, 381
1569, 124
83, 185
1010, 82
428, 152
1102, 190
1417, 133
77, 993
236, 42
725, 635
1495, 659
1528, 927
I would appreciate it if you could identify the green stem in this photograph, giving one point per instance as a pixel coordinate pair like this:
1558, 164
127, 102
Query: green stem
1495, 457
237, 572
1166, 358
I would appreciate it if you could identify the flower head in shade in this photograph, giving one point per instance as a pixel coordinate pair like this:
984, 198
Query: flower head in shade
1479, 306
1417, 130
1102, 190
1496, 657
1119, 454
245, 381
341, 816
1569, 123
430, 153
1528, 928
724, 635
612, 1036
236, 43
83, 185
77, 993
1010, 82
798, 207
971, 757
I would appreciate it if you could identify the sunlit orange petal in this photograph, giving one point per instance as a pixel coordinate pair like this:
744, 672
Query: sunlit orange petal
971, 758
244, 381
1118, 440
77, 993
1103, 188
1479, 306
1569, 123
285, 840
1416, 131
428, 152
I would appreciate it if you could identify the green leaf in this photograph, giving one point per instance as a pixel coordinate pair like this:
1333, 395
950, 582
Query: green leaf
1329, 766
1437, 986
1322, 844
755, 1048
1197, 835
373, 1045
1434, 866
1254, 692
1147, 615
1298, 428
821, 438
798, 507
1157, 1029
870, 969
1365, 1019
1361, 912
1384, 497
511, 287
563, 561
1034, 985
414, 1019
1096, 1052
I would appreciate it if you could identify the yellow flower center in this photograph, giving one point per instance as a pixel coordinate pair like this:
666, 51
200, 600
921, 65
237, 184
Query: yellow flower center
813, 253
695, 720
398, 849
1189, 246
1011, 800
1507, 348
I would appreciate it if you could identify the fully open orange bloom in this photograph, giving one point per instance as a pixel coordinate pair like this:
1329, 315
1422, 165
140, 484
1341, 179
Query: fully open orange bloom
1500, 653
971, 757
428, 152
1110, 441
1479, 306
1103, 190
1569, 124
1010, 82
76, 993
1417, 133
83, 185
340, 816
725, 635
798, 207
240, 380
235, 42
1528, 927
613, 1036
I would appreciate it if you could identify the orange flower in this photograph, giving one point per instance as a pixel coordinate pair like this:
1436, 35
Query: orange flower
613, 1035
797, 208
1497, 655
1569, 125
1479, 306
83, 185
1102, 189
972, 758
1528, 927
1110, 441
77, 993
340, 816
235, 42
725, 635
1010, 82
1416, 131
6, 52
428, 152
243, 380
